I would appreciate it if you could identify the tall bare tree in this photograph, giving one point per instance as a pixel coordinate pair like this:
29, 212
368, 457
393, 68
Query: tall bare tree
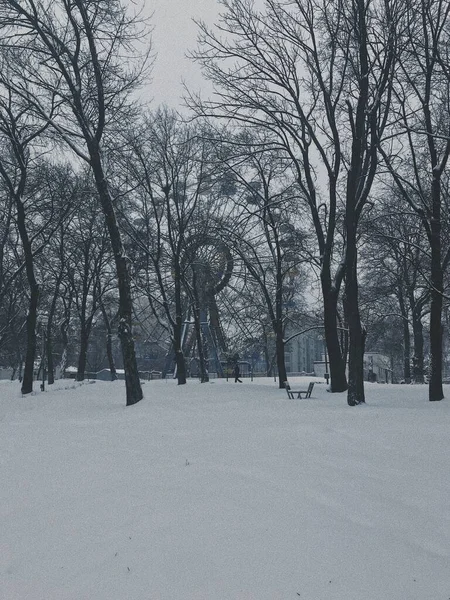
316, 75
72, 62
166, 164
264, 225
417, 150
19, 130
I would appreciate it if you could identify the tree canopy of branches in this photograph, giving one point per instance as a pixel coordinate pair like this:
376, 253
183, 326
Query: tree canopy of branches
71, 62
317, 76
417, 147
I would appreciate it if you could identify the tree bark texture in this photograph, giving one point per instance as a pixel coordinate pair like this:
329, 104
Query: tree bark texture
180, 359
355, 393
338, 379
132, 382
28, 372
418, 359
406, 338
406, 352
435, 390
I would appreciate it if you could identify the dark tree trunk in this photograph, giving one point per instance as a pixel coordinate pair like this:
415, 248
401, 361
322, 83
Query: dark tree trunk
65, 344
279, 329
362, 169
49, 352
406, 352
338, 382
180, 359
28, 371
281, 363
406, 338
27, 381
110, 356
132, 383
435, 389
355, 393
49, 349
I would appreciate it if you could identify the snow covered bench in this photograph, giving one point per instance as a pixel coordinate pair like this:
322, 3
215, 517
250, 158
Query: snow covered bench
291, 392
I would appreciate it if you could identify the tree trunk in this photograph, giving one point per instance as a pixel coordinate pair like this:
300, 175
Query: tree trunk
267, 355
110, 356
49, 349
65, 341
178, 351
28, 371
355, 393
278, 328
49, 352
435, 390
418, 360
27, 381
281, 363
338, 382
406, 352
132, 383
406, 338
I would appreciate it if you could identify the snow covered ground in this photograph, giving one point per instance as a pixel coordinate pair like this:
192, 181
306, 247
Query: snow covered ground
223, 491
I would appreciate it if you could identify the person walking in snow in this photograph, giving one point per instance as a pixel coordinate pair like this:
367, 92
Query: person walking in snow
236, 373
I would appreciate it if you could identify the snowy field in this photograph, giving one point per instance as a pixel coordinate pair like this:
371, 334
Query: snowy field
223, 491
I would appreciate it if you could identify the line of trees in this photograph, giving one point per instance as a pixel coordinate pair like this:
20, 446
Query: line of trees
321, 159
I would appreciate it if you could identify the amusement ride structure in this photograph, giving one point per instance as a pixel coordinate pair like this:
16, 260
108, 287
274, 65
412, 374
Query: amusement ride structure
207, 266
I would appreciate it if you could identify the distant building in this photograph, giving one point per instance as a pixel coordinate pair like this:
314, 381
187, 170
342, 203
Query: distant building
302, 351
377, 367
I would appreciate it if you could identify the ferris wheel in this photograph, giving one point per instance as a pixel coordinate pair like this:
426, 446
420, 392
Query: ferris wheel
208, 264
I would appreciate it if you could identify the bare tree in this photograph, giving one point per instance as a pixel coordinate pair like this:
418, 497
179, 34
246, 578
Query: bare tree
263, 225
418, 147
316, 75
88, 269
63, 189
394, 267
166, 165
71, 61
19, 130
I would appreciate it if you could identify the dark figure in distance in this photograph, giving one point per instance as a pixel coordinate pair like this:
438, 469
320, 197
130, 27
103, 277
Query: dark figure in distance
237, 374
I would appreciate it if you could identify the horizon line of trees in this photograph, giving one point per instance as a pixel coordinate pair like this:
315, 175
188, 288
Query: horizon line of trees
320, 160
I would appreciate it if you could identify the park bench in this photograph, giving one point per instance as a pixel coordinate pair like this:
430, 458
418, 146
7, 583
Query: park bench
290, 392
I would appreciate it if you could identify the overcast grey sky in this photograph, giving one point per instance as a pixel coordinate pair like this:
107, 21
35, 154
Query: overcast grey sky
174, 34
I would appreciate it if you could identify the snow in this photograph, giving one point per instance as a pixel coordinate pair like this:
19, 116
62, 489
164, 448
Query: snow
223, 491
